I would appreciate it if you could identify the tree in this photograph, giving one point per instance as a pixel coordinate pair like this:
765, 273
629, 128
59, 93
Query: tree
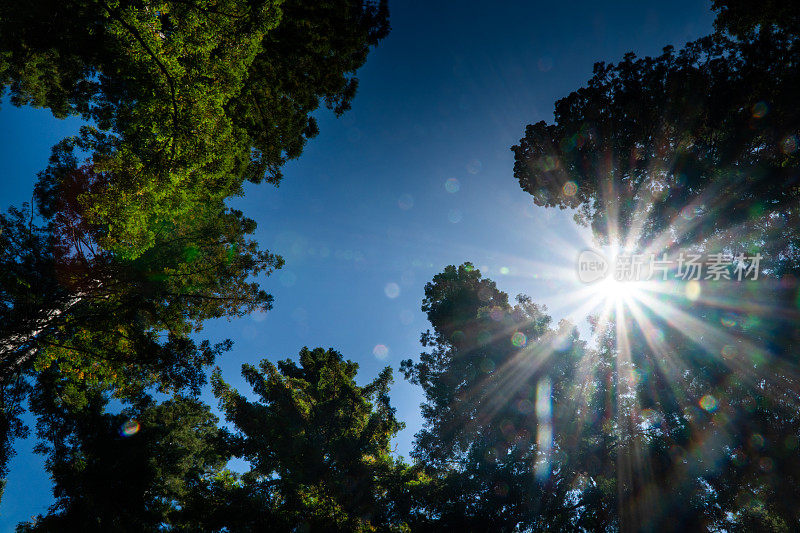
187, 98
700, 141
11, 426
68, 300
131, 471
500, 413
318, 445
68, 305
696, 149
135, 247
740, 17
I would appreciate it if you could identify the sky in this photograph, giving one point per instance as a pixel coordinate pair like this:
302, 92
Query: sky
416, 176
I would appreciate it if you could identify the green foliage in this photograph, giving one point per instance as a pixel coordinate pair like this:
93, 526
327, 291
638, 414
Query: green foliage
526, 427
318, 444
97, 314
187, 98
99, 319
185, 101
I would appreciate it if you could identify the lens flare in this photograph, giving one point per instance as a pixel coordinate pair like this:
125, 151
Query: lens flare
129, 428
790, 144
760, 110
615, 291
693, 290
544, 430
474, 166
519, 339
452, 185
381, 351
405, 202
392, 290
709, 403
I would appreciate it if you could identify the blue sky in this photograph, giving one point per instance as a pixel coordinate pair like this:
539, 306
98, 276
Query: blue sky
367, 215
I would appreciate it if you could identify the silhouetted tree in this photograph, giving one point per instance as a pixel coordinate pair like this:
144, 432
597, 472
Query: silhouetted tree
500, 427
696, 149
132, 471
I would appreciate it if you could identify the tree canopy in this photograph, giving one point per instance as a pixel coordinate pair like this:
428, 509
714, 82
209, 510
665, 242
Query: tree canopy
318, 444
130, 246
702, 139
132, 471
695, 149
498, 383
185, 99
680, 415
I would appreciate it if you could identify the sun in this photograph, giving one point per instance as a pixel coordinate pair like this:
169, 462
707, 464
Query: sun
611, 290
